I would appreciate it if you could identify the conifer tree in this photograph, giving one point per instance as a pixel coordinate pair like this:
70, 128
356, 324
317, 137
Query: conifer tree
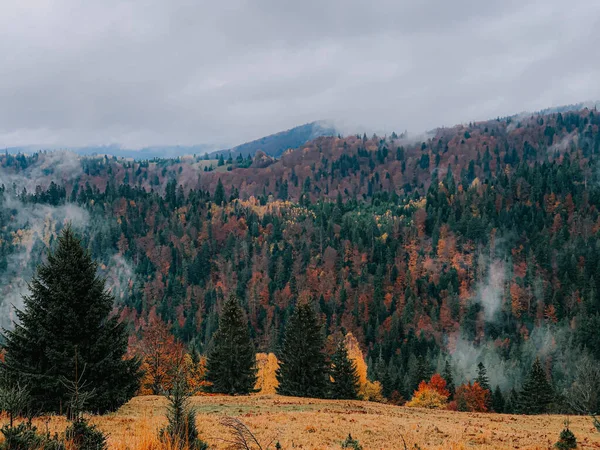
447, 375
345, 381
422, 373
484, 382
498, 401
66, 323
231, 364
219, 196
302, 366
537, 393
482, 377
511, 403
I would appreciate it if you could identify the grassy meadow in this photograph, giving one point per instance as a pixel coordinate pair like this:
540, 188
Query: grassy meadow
324, 424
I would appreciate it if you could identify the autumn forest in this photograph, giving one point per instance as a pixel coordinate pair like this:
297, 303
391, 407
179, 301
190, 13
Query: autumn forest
466, 255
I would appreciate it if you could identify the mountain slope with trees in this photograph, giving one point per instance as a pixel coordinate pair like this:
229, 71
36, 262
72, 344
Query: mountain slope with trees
475, 244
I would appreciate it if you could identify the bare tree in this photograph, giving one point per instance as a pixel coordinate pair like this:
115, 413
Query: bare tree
584, 394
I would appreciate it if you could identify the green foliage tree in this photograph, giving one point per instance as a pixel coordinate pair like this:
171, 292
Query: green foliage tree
302, 365
537, 393
67, 323
345, 381
231, 364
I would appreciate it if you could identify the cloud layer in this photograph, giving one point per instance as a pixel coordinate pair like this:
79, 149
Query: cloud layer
152, 72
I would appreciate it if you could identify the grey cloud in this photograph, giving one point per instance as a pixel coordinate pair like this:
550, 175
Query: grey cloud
150, 72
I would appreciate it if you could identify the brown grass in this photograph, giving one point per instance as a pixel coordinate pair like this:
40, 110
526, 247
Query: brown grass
323, 424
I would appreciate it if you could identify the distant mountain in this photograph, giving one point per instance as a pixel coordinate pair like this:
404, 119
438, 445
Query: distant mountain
167, 151
273, 145
276, 144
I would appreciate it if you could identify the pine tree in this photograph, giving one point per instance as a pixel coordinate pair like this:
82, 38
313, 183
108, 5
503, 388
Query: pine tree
302, 366
345, 380
447, 375
231, 364
537, 393
67, 323
498, 401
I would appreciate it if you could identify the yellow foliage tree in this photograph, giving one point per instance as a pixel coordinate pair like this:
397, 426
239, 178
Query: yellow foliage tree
195, 372
371, 392
428, 398
266, 379
432, 395
356, 355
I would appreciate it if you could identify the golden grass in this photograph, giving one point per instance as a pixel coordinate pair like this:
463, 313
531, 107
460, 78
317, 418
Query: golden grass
323, 424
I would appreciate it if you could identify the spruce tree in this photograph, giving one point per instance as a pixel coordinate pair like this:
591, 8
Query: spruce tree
302, 366
511, 403
231, 364
345, 380
484, 382
219, 196
482, 377
498, 401
67, 324
537, 393
447, 375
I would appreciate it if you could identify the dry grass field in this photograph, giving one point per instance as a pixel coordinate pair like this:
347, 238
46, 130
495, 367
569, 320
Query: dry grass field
323, 424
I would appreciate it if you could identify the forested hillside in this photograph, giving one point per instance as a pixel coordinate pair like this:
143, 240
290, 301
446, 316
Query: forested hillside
476, 243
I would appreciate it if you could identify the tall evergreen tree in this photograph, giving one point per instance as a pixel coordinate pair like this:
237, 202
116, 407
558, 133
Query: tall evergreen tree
498, 401
231, 364
67, 324
537, 393
482, 377
345, 380
484, 382
447, 375
302, 365
219, 196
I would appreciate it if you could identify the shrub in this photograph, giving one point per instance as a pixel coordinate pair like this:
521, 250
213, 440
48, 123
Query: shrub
26, 437
351, 443
84, 436
567, 440
396, 399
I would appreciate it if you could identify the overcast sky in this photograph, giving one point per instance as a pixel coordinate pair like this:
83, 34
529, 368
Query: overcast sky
150, 72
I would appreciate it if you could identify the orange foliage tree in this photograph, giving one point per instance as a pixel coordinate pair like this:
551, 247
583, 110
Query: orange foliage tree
471, 397
433, 395
161, 356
